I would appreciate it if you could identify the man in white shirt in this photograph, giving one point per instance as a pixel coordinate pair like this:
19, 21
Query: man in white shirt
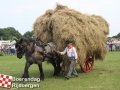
72, 57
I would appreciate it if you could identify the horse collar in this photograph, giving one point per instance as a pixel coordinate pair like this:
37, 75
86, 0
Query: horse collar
32, 50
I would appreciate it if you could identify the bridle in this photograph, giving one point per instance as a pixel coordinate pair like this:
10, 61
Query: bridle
23, 49
20, 47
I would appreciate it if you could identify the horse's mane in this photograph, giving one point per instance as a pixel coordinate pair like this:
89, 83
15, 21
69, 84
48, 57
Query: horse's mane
25, 39
28, 39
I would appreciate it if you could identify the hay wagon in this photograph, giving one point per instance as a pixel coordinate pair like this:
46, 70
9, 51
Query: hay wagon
87, 66
88, 32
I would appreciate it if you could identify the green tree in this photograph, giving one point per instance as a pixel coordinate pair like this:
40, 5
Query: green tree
28, 34
118, 35
9, 33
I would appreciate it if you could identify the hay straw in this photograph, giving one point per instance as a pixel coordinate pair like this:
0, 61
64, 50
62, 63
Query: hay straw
88, 32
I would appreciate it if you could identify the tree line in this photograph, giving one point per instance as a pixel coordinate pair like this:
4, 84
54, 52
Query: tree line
117, 36
10, 33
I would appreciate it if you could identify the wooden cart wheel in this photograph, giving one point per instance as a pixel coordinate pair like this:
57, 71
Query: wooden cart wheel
88, 64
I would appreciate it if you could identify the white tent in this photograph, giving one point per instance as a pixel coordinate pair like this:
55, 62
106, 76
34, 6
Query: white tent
4, 42
13, 42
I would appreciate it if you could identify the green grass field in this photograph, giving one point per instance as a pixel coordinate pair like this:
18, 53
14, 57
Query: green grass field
104, 76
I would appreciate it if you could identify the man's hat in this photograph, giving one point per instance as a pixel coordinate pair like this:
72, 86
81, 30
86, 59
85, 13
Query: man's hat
68, 41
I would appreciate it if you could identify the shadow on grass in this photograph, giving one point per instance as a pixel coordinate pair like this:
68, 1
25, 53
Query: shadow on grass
49, 73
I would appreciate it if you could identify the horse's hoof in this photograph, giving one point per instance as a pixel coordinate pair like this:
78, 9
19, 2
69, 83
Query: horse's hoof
41, 79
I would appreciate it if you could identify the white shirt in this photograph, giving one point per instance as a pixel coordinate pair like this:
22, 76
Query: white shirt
70, 52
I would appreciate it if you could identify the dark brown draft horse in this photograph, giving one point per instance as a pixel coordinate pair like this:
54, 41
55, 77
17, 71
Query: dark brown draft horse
36, 51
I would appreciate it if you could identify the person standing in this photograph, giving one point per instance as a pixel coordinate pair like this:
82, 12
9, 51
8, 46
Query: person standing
72, 58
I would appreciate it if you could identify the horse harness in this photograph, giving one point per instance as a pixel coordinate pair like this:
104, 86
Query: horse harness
46, 54
42, 44
32, 49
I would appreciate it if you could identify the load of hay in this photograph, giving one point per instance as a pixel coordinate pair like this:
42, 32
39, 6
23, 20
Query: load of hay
88, 32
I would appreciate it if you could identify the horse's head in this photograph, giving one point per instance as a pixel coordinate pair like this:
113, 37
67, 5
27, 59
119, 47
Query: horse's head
21, 47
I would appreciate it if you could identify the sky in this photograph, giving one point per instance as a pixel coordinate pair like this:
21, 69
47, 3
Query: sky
21, 14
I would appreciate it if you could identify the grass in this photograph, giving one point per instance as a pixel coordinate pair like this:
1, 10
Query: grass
104, 76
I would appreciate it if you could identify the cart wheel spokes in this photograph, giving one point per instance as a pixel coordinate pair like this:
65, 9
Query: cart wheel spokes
88, 64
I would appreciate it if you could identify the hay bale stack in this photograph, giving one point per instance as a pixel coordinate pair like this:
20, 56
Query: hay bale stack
88, 33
